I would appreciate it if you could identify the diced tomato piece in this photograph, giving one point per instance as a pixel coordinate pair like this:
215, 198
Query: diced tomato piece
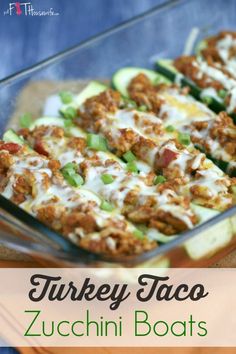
166, 158
38, 147
10, 147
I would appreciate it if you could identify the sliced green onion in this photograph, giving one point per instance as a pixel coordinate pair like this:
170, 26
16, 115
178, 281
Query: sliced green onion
157, 81
159, 179
25, 120
132, 167
106, 178
129, 156
170, 128
184, 138
106, 206
142, 108
222, 93
143, 228
138, 233
66, 97
68, 123
71, 176
96, 142
207, 100
74, 180
70, 113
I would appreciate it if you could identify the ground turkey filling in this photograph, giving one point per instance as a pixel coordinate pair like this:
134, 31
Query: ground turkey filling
35, 183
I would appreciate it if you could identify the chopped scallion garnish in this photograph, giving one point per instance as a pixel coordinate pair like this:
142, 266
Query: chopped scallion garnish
129, 103
207, 100
222, 93
74, 180
66, 97
107, 178
70, 165
170, 128
25, 120
70, 113
132, 167
68, 123
159, 179
142, 108
69, 172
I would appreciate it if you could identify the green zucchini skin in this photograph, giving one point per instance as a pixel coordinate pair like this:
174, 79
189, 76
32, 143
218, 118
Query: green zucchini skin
195, 91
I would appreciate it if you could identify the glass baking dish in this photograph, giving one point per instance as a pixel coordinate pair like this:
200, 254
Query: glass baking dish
159, 33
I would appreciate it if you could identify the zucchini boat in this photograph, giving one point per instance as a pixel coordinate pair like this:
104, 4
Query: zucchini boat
189, 172
132, 184
35, 183
213, 134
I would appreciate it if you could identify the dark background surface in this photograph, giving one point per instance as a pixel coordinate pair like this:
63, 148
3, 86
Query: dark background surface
25, 40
